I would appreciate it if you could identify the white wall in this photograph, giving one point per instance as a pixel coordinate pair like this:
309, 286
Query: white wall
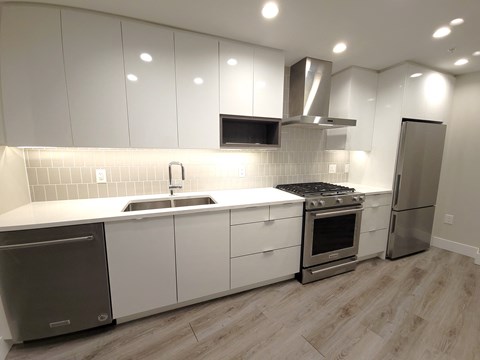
14, 190
458, 191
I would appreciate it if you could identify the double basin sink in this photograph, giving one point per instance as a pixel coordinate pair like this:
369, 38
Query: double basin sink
168, 203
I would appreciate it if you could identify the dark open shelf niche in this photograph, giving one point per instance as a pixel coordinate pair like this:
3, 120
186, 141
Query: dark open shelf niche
249, 132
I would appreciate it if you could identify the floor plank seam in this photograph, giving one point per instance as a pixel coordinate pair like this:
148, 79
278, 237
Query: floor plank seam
304, 338
196, 338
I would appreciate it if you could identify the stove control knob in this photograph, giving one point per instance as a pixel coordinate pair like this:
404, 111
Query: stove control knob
361, 198
314, 203
321, 203
339, 201
355, 198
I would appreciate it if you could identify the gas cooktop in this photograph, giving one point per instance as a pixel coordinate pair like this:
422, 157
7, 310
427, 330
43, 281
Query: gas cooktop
316, 189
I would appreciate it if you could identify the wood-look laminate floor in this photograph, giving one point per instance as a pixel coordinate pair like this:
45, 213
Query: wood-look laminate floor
422, 307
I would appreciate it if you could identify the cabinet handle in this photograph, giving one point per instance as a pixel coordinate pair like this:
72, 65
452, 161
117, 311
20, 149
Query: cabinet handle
271, 221
268, 251
47, 242
375, 205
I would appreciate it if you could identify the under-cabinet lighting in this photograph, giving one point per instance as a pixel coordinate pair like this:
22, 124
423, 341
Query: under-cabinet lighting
132, 77
476, 53
232, 62
416, 75
198, 81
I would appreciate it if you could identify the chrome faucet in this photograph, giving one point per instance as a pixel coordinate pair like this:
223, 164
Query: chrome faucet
170, 185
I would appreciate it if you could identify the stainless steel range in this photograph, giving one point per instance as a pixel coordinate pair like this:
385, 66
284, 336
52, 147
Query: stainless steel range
331, 218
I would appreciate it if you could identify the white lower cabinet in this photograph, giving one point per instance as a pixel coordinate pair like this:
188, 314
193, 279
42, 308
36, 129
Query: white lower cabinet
141, 264
374, 228
265, 243
252, 269
203, 254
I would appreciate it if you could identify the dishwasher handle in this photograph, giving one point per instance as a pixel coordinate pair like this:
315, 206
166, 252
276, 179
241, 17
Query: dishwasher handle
47, 242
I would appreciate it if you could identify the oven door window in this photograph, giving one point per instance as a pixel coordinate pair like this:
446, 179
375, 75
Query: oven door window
333, 233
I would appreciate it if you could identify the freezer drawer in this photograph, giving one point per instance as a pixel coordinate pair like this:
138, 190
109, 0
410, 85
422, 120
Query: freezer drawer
54, 281
410, 231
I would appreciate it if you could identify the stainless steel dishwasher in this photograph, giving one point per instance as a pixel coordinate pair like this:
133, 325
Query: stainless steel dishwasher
54, 281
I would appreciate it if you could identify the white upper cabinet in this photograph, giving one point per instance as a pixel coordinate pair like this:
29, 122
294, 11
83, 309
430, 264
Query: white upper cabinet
35, 102
150, 70
236, 79
353, 96
428, 94
92, 46
196, 59
268, 71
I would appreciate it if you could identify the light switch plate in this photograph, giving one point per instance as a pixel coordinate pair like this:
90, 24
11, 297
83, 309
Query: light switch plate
448, 219
241, 171
101, 176
332, 168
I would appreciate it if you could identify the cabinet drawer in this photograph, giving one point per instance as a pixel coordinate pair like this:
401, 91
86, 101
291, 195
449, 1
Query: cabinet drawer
286, 211
372, 201
249, 215
375, 218
251, 269
266, 235
372, 242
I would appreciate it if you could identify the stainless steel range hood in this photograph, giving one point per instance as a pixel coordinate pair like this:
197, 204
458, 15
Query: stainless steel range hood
309, 95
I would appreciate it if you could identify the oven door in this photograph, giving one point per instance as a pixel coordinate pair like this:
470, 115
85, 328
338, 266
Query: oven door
331, 234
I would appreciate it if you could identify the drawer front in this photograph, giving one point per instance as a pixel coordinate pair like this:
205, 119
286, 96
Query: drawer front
249, 215
375, 218
286, 211
372, 201
252, 269
266, 235
372, 242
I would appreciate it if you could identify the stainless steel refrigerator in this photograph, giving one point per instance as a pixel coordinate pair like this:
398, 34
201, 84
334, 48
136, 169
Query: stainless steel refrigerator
417, 175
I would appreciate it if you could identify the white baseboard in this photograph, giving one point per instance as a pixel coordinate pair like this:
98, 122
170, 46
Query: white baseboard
456, 247
4, 349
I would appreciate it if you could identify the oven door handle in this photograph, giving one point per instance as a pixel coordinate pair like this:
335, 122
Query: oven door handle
338, 212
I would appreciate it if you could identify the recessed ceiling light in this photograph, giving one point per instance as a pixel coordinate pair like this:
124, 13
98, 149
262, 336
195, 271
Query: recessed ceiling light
198, 81
146, 57
339, 48
270, 10
458, 21
460, 62
416, 75
232, 62
476, 53
132, 77
442, 32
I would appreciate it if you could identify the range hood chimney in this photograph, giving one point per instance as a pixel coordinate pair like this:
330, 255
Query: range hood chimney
309, 95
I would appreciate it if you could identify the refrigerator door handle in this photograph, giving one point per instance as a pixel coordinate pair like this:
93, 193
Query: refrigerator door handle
394, 220
397, 189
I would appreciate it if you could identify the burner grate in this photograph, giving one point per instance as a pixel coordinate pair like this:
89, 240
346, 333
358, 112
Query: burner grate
315, 188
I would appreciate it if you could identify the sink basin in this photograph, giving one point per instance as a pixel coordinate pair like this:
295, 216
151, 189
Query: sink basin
168, 203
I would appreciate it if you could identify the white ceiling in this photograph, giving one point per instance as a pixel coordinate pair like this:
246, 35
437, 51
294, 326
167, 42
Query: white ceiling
379, 33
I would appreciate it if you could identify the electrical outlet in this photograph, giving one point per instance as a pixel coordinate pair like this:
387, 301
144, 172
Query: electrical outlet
241, 171
448, 219
101, 176
347, 168
332, 168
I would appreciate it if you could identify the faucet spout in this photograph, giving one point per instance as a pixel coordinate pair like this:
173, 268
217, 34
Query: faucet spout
170, 184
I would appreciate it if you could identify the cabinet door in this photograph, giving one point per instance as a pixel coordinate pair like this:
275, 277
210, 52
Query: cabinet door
429, 96
33, 77
268, 75
196, 60
203, 254
141, 265
93, 54
150, 71
236, 79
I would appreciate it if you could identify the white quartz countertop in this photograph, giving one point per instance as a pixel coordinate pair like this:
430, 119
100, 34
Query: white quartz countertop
368, 190
71, 212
